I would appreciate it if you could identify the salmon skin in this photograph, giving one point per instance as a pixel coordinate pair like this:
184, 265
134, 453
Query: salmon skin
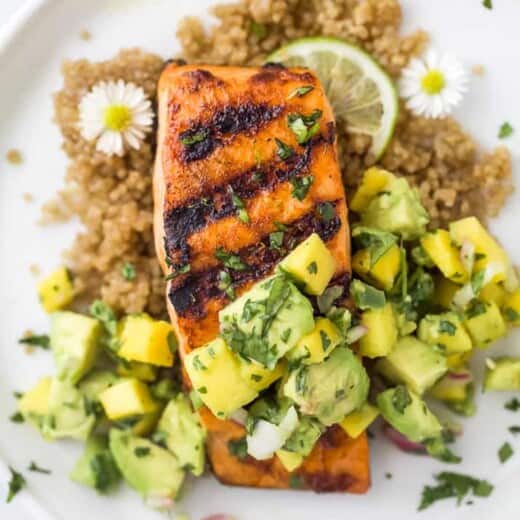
229, 172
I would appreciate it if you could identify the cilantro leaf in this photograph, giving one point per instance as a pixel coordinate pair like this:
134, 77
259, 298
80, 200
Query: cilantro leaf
16, 484
284, 151
230, 260
513, 405
238, 448
301, 186
401, 398
505, 452
43, 341
506, 130
488, 4
300, 91
365, 296
447, 327
128, 271
34, 467
304, 127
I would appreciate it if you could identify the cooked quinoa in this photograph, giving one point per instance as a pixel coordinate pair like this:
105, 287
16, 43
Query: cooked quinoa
113, 196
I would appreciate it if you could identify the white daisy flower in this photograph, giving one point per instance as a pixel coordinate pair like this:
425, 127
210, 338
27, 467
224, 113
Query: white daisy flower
117, 114
433, 86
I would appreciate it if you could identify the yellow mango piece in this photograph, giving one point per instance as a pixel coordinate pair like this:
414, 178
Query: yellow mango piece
215, 373
56, 291
373, 182
493, 292
381, 336
146, 340
439, 247
141, 371
259, 377
128, 398
446, 331
290, 460
382, 274
511, 309
455, 361
318, 344
357, 422
444, 291
487, 249
147, 423
312, 264
361, 262
448, 390
485, 324
35, 402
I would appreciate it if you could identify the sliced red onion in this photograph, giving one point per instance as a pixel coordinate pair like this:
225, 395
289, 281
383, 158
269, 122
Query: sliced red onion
356, 333
219, 516
399, 440
467, 255
239, 416
461, 376
161, 503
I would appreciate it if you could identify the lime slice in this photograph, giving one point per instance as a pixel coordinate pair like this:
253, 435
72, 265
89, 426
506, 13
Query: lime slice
360, 92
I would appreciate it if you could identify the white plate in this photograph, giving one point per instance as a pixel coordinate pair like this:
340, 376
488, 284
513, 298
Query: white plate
30, 55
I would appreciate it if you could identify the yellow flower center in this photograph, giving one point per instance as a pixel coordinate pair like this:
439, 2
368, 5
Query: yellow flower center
433, 82
117, 117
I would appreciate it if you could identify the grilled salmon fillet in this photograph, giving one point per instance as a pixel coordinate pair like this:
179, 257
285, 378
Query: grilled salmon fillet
225, 150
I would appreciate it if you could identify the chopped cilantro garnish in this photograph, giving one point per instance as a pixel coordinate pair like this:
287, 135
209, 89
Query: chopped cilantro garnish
296, 482
301, 186
300, 91
238, 448
276, 239
312, 268
128, 271
142, 451
286, 334
366, 297
103, 312
388, 475
43, 341
506, 130
505, 452
284, 151
514, 429
475, 308
34, 467
16, 484
401, 399
183, 269
230, 260
189, 138
326, 211
477, 280
17, 418
325, 340
225, 284
202, 390
488, 4
238, 203
513, 404
376, 242
196, 401
198, 364
304, 127
447, 327
511, 314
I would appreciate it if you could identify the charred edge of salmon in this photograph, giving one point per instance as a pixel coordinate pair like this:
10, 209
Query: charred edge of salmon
189, 294
204, 136
217, 202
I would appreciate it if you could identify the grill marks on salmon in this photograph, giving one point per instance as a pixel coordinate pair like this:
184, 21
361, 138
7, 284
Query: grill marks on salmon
219, 138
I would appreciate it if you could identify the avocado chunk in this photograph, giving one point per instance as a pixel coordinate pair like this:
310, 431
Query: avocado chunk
152, 471
456, 394
267, 321
381, 335
502, 373
329, 390
96, 382
74, 343
484, 322
397, 209
69, 416
311, 264
414, 363
408, 414
290, 460
34, 404
357, 422
318, 344
446, 332
304, 437
96, 467
56, 291
180, 430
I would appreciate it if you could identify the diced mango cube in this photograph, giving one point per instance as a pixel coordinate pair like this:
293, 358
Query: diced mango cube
35, 402
485, 324
141, 371
128, 398
381, 335
289, 459
318, 344
56, 291
146, 340
456, 361
449, 389
374, 181
511, 306
487, 249
312, 264
444, 291
357, 422
439, 247
382, 274
215, 373
446, 332
493, 292
259, 377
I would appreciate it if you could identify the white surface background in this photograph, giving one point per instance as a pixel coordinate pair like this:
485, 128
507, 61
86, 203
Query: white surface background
491, 38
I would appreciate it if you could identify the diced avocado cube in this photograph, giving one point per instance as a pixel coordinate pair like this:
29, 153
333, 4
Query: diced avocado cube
408, 414
318, 344
413, 363
357, 422
290, 460
511, 308
75, 344
502, 374
267, 321
56, 291
128, 398
96, 468
446, 332
68, 415
487, 249
304, 437
381, 335
34, 404
439, 247
493, 292
398, 210
146, 340
259, 377
135, 369
180, 430
145, 424
444, 291
152, 471
383, 273
215, 373
312, 264
373, 182
484, 323
97, 381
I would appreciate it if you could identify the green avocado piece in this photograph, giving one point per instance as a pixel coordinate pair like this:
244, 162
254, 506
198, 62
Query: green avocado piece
414, 363
408, 414
180, 430
267, 321
96, 467
99, 380
502, 373
74, 341
152, 471
397, 209
329, 390
304, 437
70, 415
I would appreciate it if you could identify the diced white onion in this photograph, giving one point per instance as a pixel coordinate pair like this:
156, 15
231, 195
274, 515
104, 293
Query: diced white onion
239, 416
356, 333
492, 269
467, 255
464, 295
